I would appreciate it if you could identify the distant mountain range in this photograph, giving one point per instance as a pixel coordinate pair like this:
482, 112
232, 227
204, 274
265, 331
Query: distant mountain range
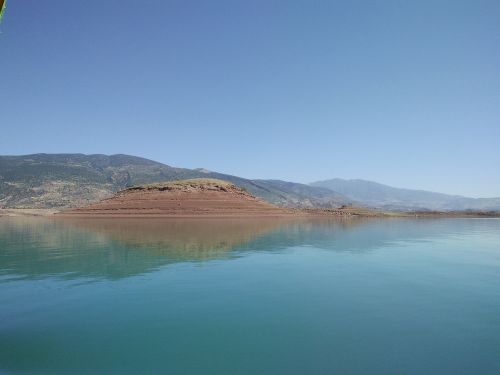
73, 180
376, 195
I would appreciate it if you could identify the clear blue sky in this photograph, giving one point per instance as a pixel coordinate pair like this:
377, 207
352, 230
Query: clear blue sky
401, 92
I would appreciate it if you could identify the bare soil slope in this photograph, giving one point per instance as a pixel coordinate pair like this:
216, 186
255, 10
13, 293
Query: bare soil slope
194, 197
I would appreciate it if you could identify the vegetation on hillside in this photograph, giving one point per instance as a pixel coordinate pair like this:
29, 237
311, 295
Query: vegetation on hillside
73, 180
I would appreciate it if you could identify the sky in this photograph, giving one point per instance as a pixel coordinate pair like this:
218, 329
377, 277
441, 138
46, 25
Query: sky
405, 93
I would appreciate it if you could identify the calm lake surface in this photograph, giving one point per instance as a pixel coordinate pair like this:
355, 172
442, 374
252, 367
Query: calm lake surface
392, 296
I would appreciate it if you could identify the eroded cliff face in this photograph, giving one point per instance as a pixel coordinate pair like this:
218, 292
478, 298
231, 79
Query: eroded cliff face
194, 197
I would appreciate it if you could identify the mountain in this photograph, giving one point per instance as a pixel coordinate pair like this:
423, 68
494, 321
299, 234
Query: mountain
74, 180
377, 195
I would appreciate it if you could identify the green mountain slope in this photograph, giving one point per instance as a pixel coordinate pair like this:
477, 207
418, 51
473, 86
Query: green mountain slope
72, 180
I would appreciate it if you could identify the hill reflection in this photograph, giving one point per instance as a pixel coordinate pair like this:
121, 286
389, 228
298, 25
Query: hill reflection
117, 248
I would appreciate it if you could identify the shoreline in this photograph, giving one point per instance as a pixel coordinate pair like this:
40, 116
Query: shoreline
28, 212
287, 213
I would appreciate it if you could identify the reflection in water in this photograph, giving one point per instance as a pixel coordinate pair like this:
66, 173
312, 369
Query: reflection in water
249, 296
117, 248
189, 239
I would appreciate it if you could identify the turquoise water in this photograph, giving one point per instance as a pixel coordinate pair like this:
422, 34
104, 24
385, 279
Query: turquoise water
391, 296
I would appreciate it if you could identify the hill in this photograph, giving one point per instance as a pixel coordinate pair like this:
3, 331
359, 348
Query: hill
373, 194
74, 180
193, 197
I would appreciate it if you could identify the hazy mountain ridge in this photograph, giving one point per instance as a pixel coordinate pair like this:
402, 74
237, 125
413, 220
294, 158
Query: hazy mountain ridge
72, 180
377, 195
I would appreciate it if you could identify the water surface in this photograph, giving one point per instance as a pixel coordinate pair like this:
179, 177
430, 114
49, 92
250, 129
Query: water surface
392, 296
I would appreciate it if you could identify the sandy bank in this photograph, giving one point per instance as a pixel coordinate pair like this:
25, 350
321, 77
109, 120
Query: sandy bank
19, 212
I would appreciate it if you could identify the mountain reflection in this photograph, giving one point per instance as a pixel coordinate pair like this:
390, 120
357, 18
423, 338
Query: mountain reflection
118, 248
182, 239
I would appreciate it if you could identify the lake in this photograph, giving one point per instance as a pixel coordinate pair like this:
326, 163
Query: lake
351, 296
